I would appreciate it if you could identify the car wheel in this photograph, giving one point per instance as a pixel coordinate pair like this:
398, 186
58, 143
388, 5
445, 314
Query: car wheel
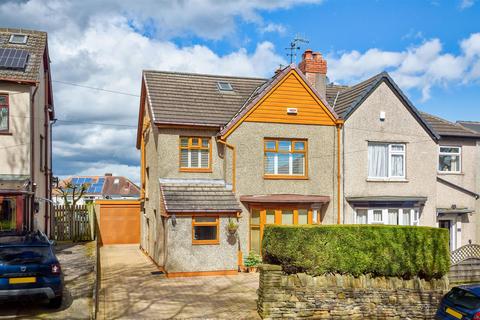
55, 303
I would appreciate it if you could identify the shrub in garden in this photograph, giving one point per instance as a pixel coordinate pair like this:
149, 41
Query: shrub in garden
400, 251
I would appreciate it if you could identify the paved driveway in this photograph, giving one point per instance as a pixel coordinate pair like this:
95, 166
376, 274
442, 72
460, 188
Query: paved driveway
78, 262
131, 289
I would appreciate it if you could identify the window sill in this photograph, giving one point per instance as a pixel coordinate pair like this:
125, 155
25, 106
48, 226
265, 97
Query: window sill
5, 133
207, 170
448, 173
196, 243
285, 177
387, 180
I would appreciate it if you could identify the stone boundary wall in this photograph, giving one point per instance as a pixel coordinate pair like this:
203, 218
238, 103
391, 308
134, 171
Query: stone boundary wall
346, 297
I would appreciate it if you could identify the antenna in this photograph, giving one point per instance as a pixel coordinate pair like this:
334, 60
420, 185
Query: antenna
294, 46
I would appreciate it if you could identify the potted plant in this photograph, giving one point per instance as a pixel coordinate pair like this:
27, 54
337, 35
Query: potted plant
232, 226
252, 261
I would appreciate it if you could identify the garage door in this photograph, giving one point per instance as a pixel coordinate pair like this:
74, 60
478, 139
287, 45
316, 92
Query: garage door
119, 221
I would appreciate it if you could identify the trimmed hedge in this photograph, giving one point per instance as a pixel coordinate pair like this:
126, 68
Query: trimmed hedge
398, 251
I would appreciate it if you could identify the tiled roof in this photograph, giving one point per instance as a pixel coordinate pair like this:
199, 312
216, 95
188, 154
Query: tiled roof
36, 44
185, 98
120, 186
448, 129
198, 197
472, 125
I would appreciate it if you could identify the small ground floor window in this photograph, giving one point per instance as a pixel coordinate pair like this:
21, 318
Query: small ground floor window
8, 213
260, 217
205, 230
391, 216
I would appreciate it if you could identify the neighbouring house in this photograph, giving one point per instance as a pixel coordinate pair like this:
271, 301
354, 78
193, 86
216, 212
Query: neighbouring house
292, 149
26, 116
99, 187
402, 166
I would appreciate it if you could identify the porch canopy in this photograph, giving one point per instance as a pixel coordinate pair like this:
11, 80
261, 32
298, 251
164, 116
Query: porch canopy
313, 200
386, 201
458, 211
14, 184
198, 197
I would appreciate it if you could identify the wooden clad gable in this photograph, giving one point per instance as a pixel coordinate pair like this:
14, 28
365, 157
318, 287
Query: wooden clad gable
291, 93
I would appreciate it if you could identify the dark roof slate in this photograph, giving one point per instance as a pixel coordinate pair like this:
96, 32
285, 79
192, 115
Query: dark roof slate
448, 129
36, 44
186, 98
198, 197
471, 125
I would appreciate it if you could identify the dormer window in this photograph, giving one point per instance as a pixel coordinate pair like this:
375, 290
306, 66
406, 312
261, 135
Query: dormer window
17, 38
224, 86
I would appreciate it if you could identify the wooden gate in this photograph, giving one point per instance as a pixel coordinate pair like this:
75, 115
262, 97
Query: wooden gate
119, 221
76, 226
465, 264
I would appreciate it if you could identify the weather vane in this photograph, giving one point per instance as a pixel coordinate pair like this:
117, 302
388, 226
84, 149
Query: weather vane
294, 47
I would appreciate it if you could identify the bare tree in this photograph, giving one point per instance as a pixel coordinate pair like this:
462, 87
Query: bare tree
76, 192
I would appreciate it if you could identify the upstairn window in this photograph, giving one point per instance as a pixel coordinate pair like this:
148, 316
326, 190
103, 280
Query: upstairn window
386, 160
195, 154
450, 159
285, 159
4, 111
205, 230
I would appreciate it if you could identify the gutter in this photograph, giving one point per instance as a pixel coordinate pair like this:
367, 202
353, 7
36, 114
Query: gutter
234, 162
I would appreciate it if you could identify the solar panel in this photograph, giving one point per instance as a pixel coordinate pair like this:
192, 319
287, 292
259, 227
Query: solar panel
13, 58
74, 180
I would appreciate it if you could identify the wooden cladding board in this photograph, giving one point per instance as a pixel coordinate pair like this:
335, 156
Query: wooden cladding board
292, 92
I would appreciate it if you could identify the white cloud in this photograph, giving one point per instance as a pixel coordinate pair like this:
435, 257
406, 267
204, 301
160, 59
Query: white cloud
420, 67
465, 4
273, 27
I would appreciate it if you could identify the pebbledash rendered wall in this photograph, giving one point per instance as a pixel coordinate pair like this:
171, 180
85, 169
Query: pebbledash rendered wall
346, 297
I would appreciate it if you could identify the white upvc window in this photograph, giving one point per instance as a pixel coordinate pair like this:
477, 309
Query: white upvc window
450, 159
386, 160
390, 216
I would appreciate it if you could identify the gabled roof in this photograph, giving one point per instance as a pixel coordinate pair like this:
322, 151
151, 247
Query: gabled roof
471, 125
105, 186
195, 99
346, 100
266, 88
35, 46
449, 129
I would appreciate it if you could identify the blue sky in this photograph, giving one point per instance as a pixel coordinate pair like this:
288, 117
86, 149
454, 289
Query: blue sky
430, 48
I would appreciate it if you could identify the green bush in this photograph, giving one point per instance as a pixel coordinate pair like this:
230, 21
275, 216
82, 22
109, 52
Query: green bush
358, 249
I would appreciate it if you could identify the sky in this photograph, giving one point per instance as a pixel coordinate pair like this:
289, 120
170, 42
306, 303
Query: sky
431, 48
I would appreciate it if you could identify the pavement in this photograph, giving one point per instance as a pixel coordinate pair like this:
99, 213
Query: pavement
132, 288
78, 262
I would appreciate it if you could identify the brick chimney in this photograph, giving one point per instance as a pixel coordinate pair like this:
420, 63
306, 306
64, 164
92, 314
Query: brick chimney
314, 67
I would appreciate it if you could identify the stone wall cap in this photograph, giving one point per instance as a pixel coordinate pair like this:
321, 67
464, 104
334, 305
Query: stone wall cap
270, 267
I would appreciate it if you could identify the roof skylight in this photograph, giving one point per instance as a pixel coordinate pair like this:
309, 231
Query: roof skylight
18, 38
224, 86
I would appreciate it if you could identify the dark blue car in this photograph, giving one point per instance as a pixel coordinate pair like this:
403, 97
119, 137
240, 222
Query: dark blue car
29, 268
462, 302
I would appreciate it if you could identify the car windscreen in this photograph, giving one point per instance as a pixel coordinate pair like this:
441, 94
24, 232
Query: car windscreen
23, 255
464, 299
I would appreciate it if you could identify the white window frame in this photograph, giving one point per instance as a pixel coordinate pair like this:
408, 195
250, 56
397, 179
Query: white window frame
391, 153
459, 154
414, 215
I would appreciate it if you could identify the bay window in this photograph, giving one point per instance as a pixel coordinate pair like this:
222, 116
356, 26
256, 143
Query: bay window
386, 160
391, 216
285, 158
449, 159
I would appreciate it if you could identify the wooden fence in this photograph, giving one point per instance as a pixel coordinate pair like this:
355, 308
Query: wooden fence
73, 226
465, 264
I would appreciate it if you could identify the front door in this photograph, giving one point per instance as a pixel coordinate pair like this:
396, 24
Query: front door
260, 217
447, 224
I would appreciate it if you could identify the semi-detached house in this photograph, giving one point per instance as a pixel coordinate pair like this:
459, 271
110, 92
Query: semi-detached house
287, 150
